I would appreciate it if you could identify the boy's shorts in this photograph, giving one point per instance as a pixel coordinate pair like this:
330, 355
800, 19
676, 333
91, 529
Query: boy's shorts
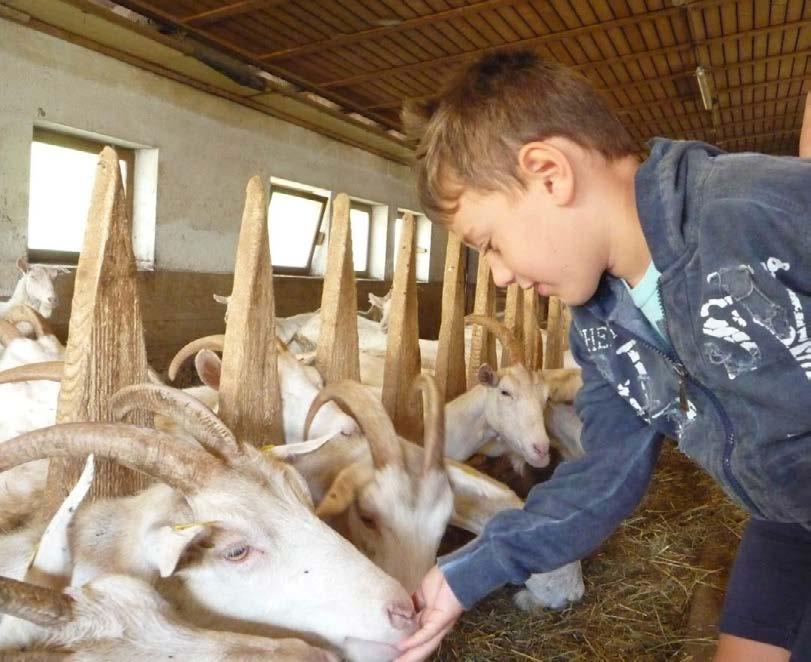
769, 593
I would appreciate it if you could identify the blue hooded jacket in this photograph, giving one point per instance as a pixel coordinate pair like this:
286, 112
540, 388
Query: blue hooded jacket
731, 235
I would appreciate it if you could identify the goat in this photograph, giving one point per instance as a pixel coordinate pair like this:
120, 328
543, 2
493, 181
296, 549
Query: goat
223, 536
35, 288
123, 617
299, 386
114, 614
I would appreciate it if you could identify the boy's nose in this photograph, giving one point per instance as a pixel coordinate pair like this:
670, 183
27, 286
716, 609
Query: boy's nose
502, 276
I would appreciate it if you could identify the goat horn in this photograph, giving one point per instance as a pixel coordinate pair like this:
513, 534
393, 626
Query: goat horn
36, 604
368, 411
434, 416
25, 313
8, 332
46, 370
214, 343
188, 411
154, 453
507, 338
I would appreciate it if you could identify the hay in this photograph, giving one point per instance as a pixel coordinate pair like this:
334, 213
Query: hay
638, 585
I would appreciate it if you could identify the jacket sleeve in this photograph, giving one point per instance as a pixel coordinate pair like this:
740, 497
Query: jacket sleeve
568, 516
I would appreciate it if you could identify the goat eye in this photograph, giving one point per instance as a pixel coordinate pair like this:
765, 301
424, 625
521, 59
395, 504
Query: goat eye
506, 394
367, 519
236, 554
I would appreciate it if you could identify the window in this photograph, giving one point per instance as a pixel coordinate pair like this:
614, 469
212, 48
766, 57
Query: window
63, 170
360, 221
423, 248
294, 218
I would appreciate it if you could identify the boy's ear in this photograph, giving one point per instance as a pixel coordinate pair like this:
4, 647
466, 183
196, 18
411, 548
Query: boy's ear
416, 115
542, 161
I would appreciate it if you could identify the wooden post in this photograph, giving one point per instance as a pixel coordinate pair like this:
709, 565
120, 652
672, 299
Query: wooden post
403, 344
514, 316
533, 341
556, 331
450, 357
482, 342
337, 355
250, 396
105, 350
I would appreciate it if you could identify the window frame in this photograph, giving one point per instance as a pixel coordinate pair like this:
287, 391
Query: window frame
81, 144
318, 235
367, 208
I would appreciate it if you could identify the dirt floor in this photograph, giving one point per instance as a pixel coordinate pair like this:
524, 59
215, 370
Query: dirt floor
639, 586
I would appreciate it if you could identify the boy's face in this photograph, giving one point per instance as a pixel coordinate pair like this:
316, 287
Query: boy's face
532, 240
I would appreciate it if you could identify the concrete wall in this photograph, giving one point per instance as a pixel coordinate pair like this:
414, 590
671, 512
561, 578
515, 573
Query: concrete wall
207, 147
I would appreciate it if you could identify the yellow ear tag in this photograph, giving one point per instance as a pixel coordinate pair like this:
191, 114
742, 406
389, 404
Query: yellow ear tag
183, 527
267, 448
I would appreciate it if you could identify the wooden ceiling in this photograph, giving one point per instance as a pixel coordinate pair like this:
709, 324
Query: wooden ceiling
366, 56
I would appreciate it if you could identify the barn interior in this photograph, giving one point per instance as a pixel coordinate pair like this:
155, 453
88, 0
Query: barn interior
199, 96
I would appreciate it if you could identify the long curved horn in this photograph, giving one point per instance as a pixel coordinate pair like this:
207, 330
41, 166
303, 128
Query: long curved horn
8, 332
46, 370
194, 416
36, 604
507, 338
25, 313
434, 416
214, 343
370, 415
154, 453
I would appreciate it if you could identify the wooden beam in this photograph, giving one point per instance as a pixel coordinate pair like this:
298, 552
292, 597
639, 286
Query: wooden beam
337, 355
403, 343
805, 133
533, 341
450, 357
556, 331
105, 349
452, 60
228, 11
482, 342
339, 41
756, 136
513, 318
250, 393
150, 8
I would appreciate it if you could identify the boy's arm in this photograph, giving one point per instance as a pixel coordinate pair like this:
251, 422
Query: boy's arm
568, 516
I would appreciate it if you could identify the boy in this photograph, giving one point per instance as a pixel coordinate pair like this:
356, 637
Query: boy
689, 278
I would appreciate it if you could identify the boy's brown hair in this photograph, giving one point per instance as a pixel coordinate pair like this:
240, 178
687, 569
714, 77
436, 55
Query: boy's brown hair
470, 134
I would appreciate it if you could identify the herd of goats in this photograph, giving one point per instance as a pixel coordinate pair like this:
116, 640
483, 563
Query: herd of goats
303, 550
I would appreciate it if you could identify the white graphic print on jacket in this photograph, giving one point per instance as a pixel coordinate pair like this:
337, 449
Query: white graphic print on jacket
728, 342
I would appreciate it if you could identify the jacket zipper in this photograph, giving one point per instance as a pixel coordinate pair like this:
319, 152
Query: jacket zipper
684, 379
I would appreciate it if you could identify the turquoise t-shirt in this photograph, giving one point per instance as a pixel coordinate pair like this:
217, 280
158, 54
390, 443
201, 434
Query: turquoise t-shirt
646, 297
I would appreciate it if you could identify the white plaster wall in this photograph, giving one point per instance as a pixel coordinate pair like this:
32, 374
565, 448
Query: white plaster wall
208, 148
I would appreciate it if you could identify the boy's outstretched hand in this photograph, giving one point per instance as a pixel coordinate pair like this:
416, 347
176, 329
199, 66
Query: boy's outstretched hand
438, 611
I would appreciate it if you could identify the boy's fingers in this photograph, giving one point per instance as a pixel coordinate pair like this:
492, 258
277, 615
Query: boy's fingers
416, 654
432, 623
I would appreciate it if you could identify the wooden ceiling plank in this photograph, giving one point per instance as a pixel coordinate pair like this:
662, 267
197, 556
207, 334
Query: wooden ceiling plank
554, 37
210, 16
371, 33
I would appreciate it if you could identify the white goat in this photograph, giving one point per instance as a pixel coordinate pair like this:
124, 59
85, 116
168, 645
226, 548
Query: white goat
34, 288
224, 543
299, 385
113, 615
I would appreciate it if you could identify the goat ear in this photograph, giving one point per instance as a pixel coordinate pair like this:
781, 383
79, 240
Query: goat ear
341, 493
477, 497
563, 383
166, 545
208, 367
52, 272
22, 265
375, 300
220, 299
487, 375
